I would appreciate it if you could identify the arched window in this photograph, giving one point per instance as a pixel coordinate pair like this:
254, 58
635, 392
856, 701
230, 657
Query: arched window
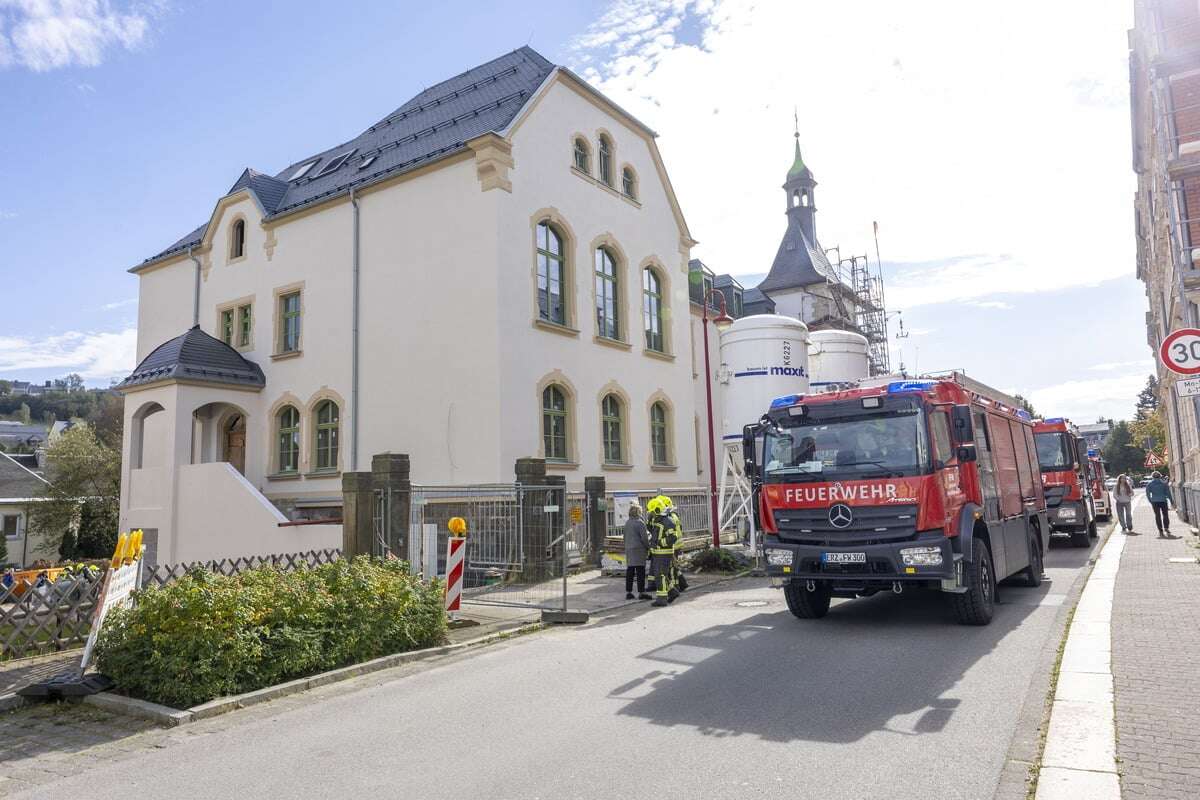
610, 427
652, 310
629, 183
551, 274
237, 239
554, 423
607, 316
582, 156
328, 426
658, 434
606, 160
288, 439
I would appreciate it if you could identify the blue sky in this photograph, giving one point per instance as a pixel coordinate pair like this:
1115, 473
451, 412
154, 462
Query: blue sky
992, 150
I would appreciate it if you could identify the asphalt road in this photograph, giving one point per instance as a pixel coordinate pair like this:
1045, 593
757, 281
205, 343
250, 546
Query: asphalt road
722, 695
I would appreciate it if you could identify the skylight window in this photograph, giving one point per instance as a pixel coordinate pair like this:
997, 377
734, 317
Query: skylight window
336, 163
303, 169
366, 162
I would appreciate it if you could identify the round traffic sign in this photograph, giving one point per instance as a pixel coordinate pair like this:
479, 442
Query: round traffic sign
1180, 351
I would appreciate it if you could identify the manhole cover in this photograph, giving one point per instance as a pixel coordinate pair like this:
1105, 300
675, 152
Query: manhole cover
751, 603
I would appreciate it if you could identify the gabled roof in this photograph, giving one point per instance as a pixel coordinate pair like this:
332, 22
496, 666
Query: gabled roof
195, 356
18, 483
798, 262
436, 123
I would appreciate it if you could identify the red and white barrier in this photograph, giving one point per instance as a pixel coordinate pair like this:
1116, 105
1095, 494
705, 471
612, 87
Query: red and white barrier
456, 551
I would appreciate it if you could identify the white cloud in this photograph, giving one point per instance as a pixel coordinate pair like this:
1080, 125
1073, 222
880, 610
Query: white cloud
1087, 400
43, 35
996, 304
985, 143
93, 355
8, 215
1146, 365
131, 301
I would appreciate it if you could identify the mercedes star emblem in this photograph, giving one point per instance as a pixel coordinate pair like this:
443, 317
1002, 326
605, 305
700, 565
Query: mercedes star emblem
840, 515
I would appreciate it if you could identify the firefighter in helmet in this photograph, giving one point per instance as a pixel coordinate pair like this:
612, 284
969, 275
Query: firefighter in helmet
679, 582
662, 551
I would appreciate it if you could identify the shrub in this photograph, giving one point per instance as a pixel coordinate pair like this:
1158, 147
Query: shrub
208, 635
715, 559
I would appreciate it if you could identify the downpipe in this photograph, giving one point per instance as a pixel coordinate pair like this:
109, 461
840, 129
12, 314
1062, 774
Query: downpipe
196, 291
354, 340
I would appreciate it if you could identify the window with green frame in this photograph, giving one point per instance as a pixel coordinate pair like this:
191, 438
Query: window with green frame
227, 326
327, 435
610, 424
607, 318
244, 325
551, 275
658, 434
554, 423
581, 156
289, 322
288, 439
606, 173
652, 310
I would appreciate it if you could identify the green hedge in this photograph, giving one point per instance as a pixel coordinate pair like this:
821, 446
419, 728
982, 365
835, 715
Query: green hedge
207, 636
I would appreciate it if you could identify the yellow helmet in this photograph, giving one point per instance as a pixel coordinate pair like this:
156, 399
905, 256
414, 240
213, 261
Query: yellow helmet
658, 505
652, 505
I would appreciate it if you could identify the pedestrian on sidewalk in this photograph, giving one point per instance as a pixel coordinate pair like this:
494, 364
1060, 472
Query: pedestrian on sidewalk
1159, 494
637, 547
1123, 497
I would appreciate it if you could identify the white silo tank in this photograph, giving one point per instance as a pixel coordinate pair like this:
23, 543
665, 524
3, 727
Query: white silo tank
762, 357
836, 357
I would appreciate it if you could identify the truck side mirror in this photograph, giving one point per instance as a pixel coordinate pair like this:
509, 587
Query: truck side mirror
966, 452
749, 462
964, 428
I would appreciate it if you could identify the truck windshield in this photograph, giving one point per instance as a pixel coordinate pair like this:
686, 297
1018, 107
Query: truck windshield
1054, 453
874, 445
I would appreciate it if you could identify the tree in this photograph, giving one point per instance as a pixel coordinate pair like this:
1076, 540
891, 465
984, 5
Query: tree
84, 495
73, 382
107, 419
1147, 402
1121, 452
1025, 404
5, 387
23, 414
1150, 433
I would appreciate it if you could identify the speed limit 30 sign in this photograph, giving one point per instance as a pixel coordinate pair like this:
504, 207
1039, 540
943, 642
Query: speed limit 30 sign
1180, 351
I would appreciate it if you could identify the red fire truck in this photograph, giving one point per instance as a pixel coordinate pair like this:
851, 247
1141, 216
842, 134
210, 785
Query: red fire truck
898, 484
1101, 499
1066, 482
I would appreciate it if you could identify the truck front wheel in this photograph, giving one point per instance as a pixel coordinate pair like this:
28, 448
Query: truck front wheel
976, 605
805, 604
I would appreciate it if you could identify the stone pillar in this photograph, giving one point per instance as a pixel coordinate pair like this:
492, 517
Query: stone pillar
538, 527
358, 513
597, 515
391, 472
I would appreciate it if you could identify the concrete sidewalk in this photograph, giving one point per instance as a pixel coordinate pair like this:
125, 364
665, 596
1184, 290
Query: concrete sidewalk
1155, 658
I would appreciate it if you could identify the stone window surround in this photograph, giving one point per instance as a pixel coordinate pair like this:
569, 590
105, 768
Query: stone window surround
672, 463
579, 137
557, 378
615, 389
570, 241
609, 242
603, 135
310, 423
655, 264
234, 306
277, 294
230, 258
633, 173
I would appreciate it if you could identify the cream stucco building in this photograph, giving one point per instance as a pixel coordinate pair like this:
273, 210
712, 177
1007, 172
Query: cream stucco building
497, 269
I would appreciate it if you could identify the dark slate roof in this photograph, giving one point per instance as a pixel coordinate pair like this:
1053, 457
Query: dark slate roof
16, 482
196, 356
799, 262
723, 280
756, 302
437, 122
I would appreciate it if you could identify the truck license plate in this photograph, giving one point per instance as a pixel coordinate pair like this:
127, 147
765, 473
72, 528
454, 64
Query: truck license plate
844, 558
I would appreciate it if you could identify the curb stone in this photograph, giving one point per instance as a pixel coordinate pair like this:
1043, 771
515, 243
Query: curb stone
11, 701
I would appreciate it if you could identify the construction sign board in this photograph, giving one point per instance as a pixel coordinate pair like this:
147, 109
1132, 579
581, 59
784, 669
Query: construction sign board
1188, 387
1153, 460
1180, 351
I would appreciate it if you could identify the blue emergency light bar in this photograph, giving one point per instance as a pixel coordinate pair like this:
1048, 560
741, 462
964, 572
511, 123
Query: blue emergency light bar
1023, 414
1092, 453
785, 401
1054, 420
895, 387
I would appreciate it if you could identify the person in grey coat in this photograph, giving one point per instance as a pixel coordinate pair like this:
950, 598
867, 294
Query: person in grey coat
637, 548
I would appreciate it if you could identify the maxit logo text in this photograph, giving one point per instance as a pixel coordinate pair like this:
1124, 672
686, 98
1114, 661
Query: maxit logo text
796, 371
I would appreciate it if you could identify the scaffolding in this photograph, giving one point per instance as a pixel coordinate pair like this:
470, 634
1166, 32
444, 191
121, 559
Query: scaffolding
857, 290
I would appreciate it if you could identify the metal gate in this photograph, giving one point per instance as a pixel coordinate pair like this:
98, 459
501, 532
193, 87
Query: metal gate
521, 541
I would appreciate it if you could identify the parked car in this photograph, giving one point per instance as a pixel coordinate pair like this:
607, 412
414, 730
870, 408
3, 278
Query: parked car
1144, 482
1110, 483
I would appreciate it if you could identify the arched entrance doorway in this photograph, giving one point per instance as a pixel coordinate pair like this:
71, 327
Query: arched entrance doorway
233, 447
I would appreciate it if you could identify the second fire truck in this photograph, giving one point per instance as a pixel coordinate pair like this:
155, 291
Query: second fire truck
1062, 455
